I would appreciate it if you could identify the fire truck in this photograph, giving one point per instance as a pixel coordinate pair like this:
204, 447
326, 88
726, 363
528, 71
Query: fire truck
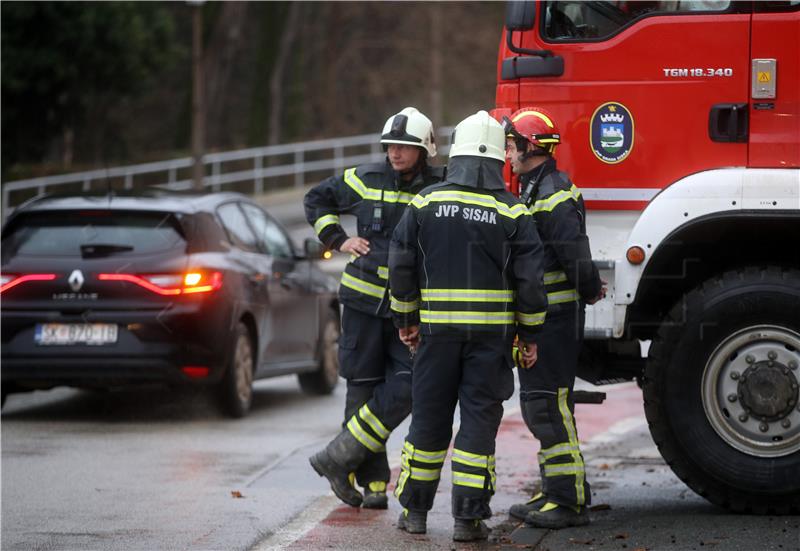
680, 124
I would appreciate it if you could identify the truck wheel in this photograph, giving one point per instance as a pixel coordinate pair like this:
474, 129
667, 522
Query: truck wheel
324, 380
721, 390
236, 387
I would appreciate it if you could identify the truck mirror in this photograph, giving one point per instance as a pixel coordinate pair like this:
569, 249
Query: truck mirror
520, 15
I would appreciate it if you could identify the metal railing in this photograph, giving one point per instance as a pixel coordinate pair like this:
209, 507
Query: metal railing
258, 166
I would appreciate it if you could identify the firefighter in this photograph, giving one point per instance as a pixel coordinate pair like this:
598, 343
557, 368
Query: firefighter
465, 268
376, 365
571, 279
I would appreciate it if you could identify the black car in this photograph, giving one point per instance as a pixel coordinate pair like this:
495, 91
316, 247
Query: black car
103, 291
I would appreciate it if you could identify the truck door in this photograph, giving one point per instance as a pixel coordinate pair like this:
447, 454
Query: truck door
651, 92
775, 87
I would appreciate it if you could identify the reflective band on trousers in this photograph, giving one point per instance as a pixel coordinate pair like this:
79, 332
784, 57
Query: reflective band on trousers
531, 319
362, 286
373, 194
407, 471
374, 423
509, 211
467, 295
366, 440
554, 277
471, 480
404, 307
559, 297
325, 221
472, 459
569, 425
423, 456
558, 449
547, 205
383, 272
465, 317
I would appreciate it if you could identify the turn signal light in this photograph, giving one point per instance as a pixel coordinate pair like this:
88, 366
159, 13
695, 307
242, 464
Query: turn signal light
7, 281
171, 284
635, 255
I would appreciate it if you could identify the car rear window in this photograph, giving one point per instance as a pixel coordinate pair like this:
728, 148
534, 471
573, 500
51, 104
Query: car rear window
73, 233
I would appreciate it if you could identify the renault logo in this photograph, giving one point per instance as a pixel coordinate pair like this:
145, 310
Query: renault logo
75, 280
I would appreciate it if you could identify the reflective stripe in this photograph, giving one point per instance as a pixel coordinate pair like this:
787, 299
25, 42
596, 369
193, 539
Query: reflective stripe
325, 221
383, 272
547, 205
368, 441
424, 474
471, 480
375, 424
509, 211
374, 194
473, 460
569, 425
560, 297
466, 317
423, 456
564, 469
554, 277
362, 286
555, 451
531, 319
404, 307
467, 295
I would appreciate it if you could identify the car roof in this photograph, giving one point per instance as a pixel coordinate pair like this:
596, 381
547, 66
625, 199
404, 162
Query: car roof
148, 200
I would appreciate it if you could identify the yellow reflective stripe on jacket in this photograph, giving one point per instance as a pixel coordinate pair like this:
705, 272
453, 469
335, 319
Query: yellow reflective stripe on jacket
569, 425
368, 441
404, 307
531, 320
325, 221
424, 456
383, 272
554, 277
470, 480
466, 317
547, 205
465, 197
373, 194
374, 423
559, 297
467, 295
362, 286
473, 460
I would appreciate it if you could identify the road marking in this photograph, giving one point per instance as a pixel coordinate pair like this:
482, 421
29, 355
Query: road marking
309, 518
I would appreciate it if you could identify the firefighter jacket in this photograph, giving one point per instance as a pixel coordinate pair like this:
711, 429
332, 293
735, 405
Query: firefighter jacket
560, 216
465, 260
377, 196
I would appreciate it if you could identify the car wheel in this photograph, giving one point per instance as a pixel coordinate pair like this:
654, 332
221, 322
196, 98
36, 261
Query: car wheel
326, 377
236, 387
721, 390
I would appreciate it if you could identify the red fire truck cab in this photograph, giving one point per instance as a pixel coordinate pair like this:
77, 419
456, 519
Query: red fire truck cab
680, 123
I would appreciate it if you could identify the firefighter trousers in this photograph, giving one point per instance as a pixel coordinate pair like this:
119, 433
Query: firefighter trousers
477, 375
548, 407
377, 368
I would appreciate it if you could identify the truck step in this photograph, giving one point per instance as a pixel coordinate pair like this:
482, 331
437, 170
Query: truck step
588, 397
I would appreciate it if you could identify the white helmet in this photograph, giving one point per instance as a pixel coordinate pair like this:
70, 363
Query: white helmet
410, 127
479, 135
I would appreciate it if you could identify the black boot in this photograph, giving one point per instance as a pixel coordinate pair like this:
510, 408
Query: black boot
555, 516
341, 457
413, 522
375, 496
521, 510
470, 530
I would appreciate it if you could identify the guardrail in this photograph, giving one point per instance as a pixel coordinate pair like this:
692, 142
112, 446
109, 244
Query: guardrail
257, 166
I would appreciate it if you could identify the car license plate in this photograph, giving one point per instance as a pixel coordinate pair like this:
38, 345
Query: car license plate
75, 333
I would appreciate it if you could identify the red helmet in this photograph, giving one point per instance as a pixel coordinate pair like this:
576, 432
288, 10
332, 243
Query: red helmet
534, 125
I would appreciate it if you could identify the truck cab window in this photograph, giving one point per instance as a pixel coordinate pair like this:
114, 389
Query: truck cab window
600, 20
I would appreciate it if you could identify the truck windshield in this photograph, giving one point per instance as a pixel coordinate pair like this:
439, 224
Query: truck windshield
599, 20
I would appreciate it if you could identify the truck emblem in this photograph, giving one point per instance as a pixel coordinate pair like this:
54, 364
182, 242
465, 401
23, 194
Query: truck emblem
75, 280
611, 132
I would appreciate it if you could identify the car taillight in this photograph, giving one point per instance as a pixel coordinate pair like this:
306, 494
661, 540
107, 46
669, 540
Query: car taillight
171, 284
7, 281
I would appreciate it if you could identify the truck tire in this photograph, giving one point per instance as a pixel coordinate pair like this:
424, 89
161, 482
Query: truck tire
721, 390
236, 388
326, 377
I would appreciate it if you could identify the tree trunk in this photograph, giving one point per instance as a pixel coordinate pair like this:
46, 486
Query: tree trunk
276, 81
